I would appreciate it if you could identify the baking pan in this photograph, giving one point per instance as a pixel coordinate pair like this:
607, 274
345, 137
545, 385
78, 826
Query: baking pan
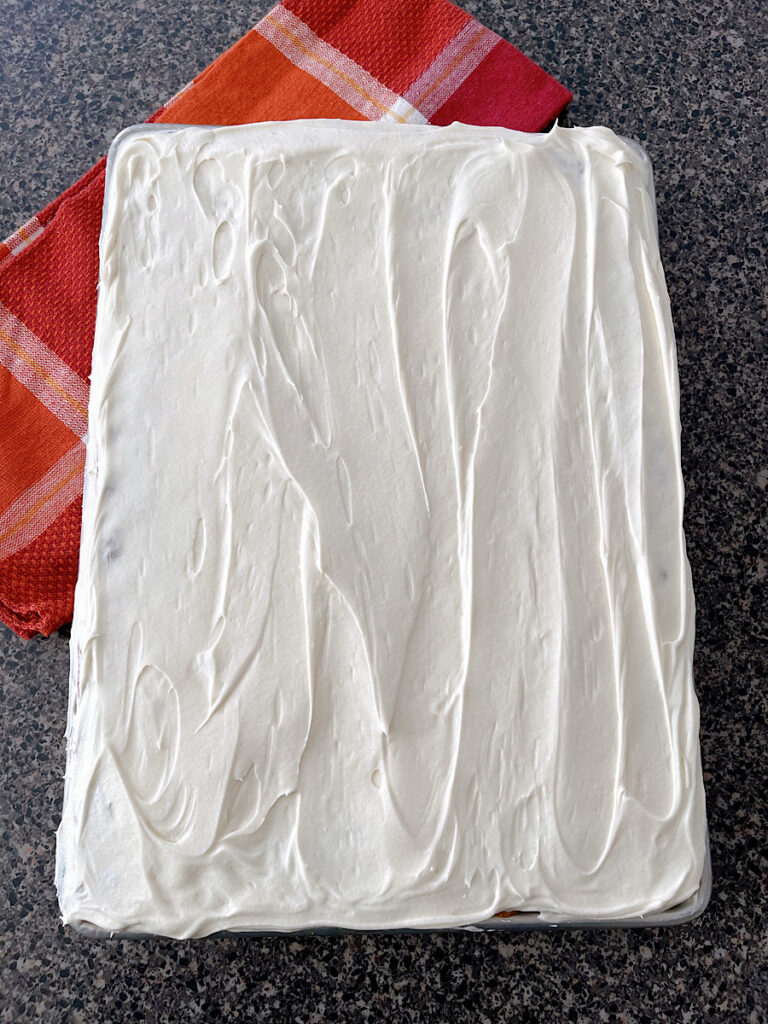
509, 921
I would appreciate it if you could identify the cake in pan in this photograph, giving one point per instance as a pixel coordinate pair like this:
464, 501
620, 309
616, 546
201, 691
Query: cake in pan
384, 617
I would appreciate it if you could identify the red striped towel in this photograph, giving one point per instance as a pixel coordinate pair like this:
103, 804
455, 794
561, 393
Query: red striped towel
401, 60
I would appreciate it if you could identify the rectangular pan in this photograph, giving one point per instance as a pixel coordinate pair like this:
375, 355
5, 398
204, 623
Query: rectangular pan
681, 914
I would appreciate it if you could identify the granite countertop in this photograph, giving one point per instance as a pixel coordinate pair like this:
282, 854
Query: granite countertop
681, 77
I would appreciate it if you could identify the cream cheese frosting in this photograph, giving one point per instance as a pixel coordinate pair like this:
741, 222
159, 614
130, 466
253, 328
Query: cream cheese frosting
384, 617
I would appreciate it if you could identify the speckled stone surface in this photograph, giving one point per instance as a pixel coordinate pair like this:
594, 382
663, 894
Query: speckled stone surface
683, 78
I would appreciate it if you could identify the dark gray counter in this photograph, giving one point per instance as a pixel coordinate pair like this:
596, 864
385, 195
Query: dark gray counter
681, 77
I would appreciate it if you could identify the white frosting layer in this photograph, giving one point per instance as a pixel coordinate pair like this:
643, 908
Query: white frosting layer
384, 615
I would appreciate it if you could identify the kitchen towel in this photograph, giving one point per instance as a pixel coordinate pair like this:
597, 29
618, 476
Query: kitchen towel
408, 61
